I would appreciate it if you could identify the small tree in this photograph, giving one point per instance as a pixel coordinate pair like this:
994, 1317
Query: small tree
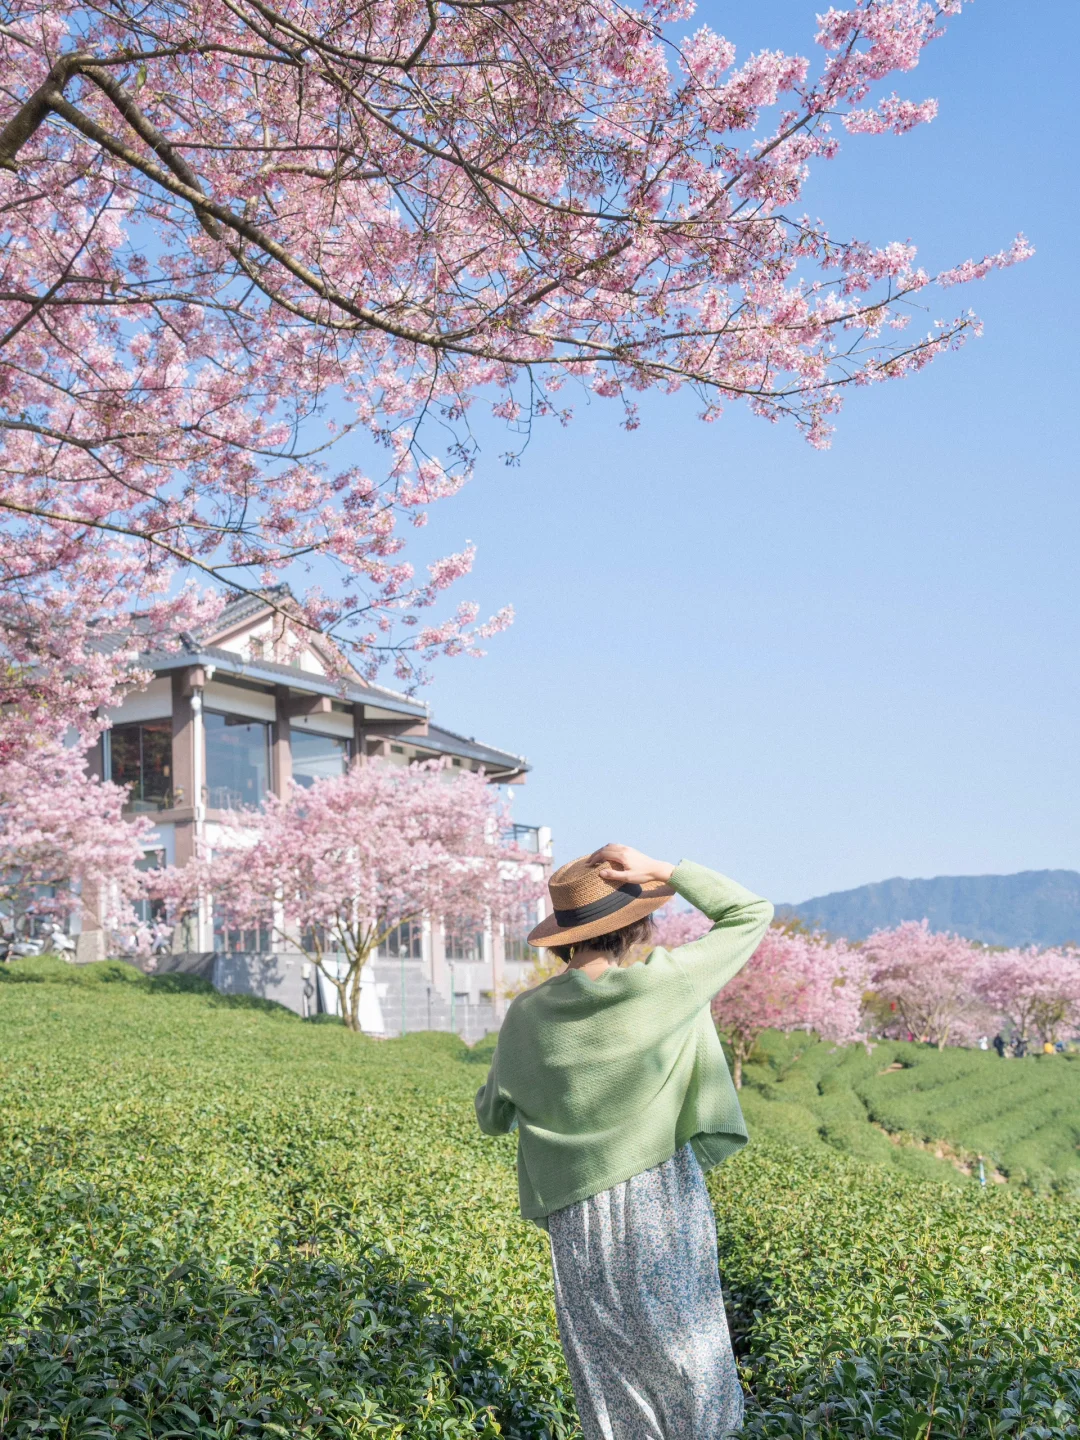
337, 867
1033, 988
930, 980
793, 981
64, 830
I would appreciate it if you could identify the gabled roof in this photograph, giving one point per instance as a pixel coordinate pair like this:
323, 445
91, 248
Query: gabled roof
245, 607
200, 649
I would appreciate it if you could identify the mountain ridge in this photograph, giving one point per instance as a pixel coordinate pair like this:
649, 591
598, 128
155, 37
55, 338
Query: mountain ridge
1031, 907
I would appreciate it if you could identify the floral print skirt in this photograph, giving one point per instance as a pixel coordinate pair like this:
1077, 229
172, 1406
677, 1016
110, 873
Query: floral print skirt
641, 1312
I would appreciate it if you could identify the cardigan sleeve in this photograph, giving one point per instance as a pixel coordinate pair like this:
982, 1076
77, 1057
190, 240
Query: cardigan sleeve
495, 1111
740, 919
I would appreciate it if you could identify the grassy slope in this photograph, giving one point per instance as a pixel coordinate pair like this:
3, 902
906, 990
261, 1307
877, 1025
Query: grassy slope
1022, 1116
216, 1221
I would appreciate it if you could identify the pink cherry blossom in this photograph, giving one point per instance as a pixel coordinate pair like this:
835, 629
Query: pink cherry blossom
1020, 249
336, 867
928, 981
235, 236
942, 989
63, 830
793, 981
892, 115
1033, 989
674, 927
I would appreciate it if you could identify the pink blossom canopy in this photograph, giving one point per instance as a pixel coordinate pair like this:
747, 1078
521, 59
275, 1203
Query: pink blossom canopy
234, 232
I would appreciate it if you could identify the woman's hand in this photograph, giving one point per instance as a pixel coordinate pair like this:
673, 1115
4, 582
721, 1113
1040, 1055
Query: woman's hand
622, 865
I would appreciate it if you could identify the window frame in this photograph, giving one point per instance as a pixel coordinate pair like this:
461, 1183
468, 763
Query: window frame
236, 719
137, 803
344, 741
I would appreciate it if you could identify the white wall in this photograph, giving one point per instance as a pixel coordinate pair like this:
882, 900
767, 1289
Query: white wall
332, 724
236, 701
153, 703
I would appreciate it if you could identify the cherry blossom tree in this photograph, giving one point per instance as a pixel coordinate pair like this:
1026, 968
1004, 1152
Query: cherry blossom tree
338, 866
674, 927
1031, 988
237, 233
793, 981
929, 981
63, 830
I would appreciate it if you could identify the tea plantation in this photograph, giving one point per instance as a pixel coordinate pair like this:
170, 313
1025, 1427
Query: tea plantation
902, 1104
218, 1220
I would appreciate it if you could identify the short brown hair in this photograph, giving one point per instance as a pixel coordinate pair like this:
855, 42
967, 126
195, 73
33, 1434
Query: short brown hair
616, 943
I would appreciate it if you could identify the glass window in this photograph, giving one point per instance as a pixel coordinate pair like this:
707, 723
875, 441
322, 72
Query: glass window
237, 760
516, 948
140, 757
463, 941
150, 912
229, 941
318, 940
516, 925
406, 942
317, 757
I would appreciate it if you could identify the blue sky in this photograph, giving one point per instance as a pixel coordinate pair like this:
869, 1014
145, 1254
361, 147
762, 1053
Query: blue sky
814, 670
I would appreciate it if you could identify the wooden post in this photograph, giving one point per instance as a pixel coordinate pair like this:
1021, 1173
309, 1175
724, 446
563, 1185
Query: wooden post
282, 752
358, 736
184, 766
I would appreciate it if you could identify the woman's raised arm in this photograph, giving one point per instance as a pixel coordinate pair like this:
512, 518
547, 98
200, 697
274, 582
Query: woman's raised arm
740, 919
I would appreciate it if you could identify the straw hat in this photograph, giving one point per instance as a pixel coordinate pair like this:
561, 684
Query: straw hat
585, 905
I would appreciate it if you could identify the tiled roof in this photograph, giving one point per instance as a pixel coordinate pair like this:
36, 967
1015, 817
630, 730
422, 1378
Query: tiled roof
449, 743
244, 607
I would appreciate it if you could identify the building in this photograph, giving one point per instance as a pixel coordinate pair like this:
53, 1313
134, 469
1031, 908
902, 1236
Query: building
251, 706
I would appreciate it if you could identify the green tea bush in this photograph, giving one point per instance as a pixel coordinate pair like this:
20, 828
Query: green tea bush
868, 1303
1022, 1116
218, 1222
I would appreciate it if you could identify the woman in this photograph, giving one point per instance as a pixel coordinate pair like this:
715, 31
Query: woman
617, 1083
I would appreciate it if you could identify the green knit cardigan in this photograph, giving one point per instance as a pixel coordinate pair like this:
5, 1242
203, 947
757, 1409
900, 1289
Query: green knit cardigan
606, 1078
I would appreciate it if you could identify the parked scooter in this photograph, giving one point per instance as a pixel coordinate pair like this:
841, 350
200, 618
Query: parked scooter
60, 942
55, 942
20, 949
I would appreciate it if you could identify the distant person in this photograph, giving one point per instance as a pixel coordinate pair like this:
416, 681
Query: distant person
617, 1083
1048, 1047
1059, 1047
999, 1044
1019, 1047
984, 1043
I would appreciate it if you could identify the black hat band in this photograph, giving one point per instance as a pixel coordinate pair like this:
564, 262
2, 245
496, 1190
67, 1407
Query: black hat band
597, 909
